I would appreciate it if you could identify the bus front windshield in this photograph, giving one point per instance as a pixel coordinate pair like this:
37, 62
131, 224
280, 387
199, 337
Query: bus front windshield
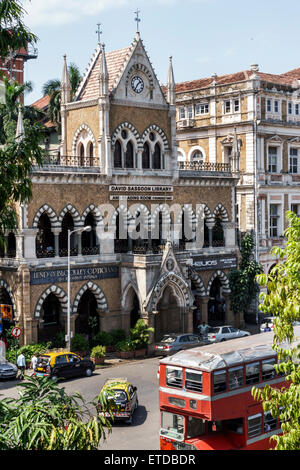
172, 425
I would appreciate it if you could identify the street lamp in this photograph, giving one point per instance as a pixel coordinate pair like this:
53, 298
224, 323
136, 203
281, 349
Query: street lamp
87, 228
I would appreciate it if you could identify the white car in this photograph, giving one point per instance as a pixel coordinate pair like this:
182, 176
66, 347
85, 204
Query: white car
268, 320
217, 334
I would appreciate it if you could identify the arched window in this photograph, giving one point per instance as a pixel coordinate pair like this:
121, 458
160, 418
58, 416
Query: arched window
129, 156
81, 155
11, 245
89, 239
91, 154
217, 231
121, 240
67, 224
118, 155
44, 245
157, 157
146, 156
197, 156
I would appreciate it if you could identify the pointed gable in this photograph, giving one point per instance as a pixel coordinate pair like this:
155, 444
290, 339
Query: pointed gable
115, 60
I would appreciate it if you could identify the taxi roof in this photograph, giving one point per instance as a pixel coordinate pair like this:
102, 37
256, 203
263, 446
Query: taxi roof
118, 382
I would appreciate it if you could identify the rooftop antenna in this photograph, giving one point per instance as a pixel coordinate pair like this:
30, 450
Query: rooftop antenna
99, 32
137, 19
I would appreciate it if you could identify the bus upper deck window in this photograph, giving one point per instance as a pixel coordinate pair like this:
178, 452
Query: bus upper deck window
235, 377
219, 381
252, 373
268, 370
174, 377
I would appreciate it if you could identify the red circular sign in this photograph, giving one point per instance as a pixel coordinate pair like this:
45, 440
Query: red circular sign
16, 332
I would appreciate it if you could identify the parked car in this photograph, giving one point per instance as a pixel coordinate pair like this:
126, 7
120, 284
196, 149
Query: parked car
175, 342
63, 365
7, 369
217, 334
270, 321
122, 400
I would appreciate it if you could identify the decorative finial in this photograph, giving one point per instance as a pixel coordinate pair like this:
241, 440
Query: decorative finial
137, 19
99, 32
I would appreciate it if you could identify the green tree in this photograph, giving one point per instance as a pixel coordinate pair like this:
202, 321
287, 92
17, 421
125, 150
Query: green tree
243, 285
52, 88
44, 417
139, 334
283, 302
13, 32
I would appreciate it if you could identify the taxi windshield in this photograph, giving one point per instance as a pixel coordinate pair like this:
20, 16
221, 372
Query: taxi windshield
118, 395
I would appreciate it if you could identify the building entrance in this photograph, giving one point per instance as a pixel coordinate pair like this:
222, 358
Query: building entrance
216, 304
87, 321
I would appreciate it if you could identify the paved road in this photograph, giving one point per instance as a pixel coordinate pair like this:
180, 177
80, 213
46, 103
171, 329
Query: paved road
143, 433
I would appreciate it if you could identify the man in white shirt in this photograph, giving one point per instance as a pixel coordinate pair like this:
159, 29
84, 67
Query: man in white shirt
21, 363
34, 362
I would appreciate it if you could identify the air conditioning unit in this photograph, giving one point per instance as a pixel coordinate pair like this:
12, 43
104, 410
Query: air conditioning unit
186, 123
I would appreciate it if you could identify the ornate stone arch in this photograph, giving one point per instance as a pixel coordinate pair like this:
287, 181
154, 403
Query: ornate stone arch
223, 212
143, 210
223, 279
51, 214
180, 289
98, 293
162, 138
199, 284
133, 134
60, 294
206, 211
164, 208
74, 213
142, 68
121, 209
11, 296
124, 297
96, 213
187, 209
85, 135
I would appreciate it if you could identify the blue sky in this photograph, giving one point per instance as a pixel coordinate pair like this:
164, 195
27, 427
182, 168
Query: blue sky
203, 36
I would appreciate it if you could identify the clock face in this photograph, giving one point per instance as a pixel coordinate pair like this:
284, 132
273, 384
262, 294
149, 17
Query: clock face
137, 84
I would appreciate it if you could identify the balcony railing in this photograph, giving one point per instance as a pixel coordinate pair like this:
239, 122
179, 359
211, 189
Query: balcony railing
204, 166
70, 160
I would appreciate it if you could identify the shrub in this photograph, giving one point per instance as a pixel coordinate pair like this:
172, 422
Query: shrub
139, 334
117, 336
125, 345
98, 351
59, 340
79, 343
102, 338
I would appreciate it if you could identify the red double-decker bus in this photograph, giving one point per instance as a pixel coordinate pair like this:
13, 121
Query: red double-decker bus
205, 395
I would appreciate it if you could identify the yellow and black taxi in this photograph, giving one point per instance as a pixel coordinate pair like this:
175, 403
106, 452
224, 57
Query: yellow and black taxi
63, 365
122, 400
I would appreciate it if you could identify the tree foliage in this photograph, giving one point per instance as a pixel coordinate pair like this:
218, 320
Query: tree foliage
17, 156
242, 282
283, 302
44, 417
52, 88
14, 34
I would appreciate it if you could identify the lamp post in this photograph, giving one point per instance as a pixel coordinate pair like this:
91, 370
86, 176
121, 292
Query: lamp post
87, 228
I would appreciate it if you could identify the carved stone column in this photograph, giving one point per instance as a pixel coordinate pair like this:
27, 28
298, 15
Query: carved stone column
204, 309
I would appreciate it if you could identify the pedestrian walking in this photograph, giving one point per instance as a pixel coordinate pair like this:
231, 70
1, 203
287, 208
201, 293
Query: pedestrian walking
34, 360
267, 328
21, 363
203, 329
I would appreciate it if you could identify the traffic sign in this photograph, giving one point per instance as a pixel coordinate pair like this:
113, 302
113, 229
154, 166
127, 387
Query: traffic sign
16, 332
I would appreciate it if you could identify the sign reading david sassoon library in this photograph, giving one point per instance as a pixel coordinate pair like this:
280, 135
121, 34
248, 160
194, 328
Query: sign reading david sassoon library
46, 276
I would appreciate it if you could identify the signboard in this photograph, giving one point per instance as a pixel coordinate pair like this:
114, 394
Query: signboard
16, 332
51, 276
125, 188
204, 263
6, 312
138, 197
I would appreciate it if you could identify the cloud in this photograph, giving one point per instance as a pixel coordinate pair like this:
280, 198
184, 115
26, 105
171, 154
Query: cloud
58, 12
62, 12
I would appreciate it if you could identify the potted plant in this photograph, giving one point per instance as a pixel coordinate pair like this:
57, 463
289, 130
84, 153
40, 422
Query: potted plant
103, 338
125, 349
98, 354
139, 336
80, 344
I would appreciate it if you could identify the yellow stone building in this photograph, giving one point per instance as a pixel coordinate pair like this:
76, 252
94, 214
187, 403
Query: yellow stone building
163, 235
256, 116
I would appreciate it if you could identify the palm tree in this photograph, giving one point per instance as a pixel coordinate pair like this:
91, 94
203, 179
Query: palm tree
9, 109
52, 88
